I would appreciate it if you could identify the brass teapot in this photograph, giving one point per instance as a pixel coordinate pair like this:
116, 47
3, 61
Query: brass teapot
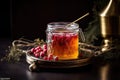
110, 24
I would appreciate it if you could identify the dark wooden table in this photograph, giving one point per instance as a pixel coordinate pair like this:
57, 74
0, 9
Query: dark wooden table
98, 70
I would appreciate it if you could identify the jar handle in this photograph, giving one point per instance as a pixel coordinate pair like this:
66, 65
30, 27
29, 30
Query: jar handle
82, 36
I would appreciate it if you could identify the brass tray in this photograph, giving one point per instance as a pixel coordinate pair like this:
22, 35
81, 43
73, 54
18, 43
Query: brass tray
41, 63
88, 52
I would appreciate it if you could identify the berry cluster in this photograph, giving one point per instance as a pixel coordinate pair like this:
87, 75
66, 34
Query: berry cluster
41, 52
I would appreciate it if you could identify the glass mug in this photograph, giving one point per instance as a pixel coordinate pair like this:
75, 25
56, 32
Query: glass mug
62, 40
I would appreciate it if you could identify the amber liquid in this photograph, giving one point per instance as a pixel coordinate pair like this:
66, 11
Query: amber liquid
64, 45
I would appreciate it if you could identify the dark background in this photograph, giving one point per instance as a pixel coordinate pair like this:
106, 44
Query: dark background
29, 18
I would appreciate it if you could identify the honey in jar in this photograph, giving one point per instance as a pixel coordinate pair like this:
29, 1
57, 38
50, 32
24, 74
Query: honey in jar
63, 40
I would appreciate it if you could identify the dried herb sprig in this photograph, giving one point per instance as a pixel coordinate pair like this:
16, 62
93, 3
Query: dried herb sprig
20, 47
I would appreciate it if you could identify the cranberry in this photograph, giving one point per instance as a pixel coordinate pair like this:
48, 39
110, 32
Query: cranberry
75, 36
34, 53
37, 55
38, 48
45, 46
45, 58
32, 50
42, 54
53, 36
45, 50
68, 37
55, 58
50, 57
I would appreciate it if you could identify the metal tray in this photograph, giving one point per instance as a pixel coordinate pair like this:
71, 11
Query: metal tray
41, 63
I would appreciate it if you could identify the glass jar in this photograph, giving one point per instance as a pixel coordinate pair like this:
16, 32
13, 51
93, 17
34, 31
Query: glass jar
62, 40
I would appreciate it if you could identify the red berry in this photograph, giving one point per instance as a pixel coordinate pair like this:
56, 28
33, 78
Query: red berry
34, 53
50, 57
42, 54
45, 46
37, 55
38, 48
55, 58
45, 58
45, 50
32, 50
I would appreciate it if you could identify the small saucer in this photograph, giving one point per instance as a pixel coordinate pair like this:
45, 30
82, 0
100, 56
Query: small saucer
81, 61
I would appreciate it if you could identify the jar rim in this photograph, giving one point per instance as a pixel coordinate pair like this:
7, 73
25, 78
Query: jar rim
55, 25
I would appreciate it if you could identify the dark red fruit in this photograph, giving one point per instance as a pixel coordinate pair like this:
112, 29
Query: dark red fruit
37, 55
34, 53
45, 58
42, 54
50, 57
55, 58
45, 50
32, 50
38, 48
45, 46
